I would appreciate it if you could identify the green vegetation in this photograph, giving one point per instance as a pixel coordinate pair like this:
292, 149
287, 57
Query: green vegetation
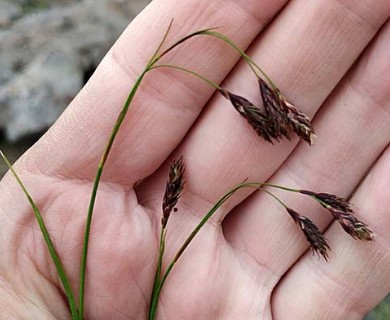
382, 311
29, 6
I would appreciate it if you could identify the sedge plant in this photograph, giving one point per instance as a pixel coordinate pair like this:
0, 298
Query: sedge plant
278, 119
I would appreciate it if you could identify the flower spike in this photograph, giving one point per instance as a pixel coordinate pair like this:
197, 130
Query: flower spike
173, 189
258, 120
317, 241
284, 116
342, 211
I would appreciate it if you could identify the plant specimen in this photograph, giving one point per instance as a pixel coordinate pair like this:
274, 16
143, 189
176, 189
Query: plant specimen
278, 119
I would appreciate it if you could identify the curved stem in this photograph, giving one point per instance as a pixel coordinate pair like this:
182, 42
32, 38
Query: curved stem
161, 43
210, 32
210, 82
246, 57
272, 185
227, 40
155, 57
180, 41
275, 197
102, 162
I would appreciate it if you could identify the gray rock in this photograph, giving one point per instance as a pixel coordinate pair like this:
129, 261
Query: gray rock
9, 11
35, 99
46, 55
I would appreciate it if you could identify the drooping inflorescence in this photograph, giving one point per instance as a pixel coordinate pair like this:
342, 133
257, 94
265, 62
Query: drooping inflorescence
313, 235
342, 211
258, 120
279, 119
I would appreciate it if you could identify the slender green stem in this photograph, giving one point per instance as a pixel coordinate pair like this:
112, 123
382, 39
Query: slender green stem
275, 197
246, 57
180, 41
157, 277
272, 185
210, 32
210, 82
53, 253
155, 57
102, 162
161, 43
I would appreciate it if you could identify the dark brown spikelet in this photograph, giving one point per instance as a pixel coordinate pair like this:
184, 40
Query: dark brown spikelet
276, 114
298, 121
173, 189
313, 235
328, 200
341, 210
258, 120
284, 116
354, 227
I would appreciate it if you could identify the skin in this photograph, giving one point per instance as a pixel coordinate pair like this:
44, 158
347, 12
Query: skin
250, 261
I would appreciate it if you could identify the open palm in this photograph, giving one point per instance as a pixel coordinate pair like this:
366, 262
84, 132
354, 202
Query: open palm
249, 261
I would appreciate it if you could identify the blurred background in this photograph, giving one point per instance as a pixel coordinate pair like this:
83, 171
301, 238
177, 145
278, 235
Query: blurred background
48, 50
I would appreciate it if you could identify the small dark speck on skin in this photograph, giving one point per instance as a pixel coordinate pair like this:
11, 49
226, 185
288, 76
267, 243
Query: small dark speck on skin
174, 209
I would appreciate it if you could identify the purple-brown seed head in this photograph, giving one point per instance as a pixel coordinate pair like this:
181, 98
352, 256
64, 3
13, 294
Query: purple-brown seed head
173, 189
313, 235
342, 211
258, 120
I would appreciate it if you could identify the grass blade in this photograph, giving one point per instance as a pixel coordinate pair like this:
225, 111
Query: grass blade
53, 253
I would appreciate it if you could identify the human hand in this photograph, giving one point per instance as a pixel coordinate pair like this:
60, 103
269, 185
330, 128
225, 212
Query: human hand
250, 261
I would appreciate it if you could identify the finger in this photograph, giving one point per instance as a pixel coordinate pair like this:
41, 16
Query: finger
357, 277
306, 50
353, 129
167, 104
